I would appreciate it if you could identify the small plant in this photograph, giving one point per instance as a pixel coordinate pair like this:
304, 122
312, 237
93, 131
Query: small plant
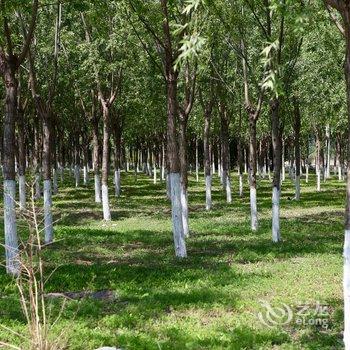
31, 287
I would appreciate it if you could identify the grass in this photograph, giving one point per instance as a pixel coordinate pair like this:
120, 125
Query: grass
209, 300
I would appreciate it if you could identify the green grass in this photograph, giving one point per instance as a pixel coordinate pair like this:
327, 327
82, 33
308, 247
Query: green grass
209, 300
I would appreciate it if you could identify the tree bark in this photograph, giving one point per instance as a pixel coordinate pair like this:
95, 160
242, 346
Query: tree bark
183, 172
207, 158
276, 191
117, 156
346, 252
297, 126
10, 228
46, 160
318, 161
328, 149
105, 163
21, 157
252, 173
96, 157
225, 152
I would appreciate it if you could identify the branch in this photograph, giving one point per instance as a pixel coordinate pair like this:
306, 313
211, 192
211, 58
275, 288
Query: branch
144, 45
7, 32
191, 92
88, 40
265, 32
335, 20
337, 4
259, 105
147, 25
30, 32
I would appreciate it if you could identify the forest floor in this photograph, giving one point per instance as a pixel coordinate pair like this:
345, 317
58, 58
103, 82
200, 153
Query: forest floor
212, 299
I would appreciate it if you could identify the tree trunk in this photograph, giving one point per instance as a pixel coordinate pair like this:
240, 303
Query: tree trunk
96, 159
174, 165
77, 162
21, 158
10, 228
105, 164
163, 162
54, 143
283, 161
252, 173
318, 161
155, 166
117, 157
207, 160
197, 162
225, 152
184, 175
346, 253
47, 176
37, 162
240, 165
276, 191
328, 149
297, 126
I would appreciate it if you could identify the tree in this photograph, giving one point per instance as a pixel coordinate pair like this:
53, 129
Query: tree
10, 62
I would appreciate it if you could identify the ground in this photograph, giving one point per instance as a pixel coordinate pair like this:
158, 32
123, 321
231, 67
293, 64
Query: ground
212, 299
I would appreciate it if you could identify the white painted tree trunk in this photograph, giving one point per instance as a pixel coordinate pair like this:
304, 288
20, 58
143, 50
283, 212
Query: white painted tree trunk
264, 172
154, 173
253, 209
163, 172
228, 189
307, 174
37, 186
197, 163
117, 185
22, 192
176, 212
62, 173
105, 203
55, 182
86, 175
319, 180
149, 170
208, 192
328, 169
276, 235
283, 165
346, 290
97, 188
10, 227
77, 175
213, 167
240, 185
48, 211
297, 188
184, 205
